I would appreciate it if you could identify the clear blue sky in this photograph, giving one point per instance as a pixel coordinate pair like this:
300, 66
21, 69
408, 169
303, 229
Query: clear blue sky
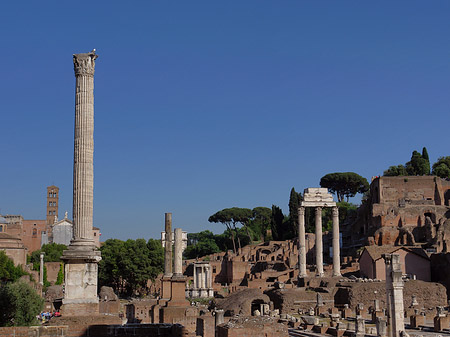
203, 105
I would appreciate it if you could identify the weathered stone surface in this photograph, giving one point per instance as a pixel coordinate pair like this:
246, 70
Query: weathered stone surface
310, 320
178, 250
81, 258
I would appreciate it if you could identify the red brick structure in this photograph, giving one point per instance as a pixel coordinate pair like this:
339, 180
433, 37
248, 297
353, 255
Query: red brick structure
32, 233
414, 261
409, 210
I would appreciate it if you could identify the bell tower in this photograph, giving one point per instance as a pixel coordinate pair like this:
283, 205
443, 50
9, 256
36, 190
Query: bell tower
52, 204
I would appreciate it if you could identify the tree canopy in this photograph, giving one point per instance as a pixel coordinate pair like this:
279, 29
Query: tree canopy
344, 184
201, 244
126, 266
19, 304
230, 217
441, 168
53, 253
8, 271
419, 165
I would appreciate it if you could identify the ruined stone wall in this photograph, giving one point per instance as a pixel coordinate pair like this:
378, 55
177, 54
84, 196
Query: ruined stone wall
52, 271
429, 295
405, 210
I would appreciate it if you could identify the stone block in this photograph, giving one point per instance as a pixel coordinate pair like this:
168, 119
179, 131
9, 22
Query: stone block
79, 309
347, 312
417, 321
320, 329
441, 323
172, 314
310, 320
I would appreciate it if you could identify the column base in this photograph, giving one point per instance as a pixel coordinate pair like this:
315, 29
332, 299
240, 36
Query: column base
79, 309
301, 282
81, 277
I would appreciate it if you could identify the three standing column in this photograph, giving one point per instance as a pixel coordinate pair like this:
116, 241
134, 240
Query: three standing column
319, 246
336, 250
301, 242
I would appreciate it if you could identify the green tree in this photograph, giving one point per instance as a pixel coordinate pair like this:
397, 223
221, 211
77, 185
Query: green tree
276, 223
19, 304
127, 266
109, 268
204, 245
8, 271
60, 277
261, 221
441, 168
294, 203
53, 253
418, 166
427, 160
344, 184
230, 217
394, 171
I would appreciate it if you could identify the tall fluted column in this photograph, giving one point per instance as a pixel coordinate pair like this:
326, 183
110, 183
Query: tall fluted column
319, 249
336, 248
178, 250
81, 257
168, 245
301, 242
83, 162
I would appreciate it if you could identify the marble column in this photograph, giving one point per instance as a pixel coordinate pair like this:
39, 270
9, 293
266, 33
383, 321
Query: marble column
168, 246
83, 163
336, 248
202, 281
41, 269
319, 249
82, 257
178, 252
301, 242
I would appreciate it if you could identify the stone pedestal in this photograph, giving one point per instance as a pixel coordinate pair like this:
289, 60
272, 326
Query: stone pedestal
81, 273
381, 326
347, 312
376, 314
417, 321
178, 292
441, 323
166, 287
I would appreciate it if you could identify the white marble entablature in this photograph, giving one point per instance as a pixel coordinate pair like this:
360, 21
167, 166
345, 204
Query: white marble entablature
317, 197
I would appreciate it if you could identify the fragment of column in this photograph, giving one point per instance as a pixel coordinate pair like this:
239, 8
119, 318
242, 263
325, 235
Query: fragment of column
178, 252
168, 245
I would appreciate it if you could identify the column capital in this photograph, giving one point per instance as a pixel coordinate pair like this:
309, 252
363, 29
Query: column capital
335, 211
301, 210
318, 209
84, 63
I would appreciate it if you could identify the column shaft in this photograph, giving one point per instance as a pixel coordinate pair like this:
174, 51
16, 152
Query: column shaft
301, 242
319, 248
336, 248
83, 163
178, 247
168, 245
